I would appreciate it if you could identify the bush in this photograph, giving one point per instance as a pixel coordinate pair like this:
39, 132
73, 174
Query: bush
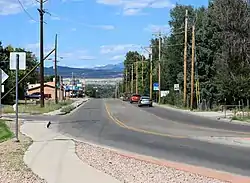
173, 98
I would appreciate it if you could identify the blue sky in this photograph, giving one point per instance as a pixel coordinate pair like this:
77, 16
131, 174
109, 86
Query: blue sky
90, 32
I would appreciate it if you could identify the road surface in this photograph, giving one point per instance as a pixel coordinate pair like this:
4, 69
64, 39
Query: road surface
184, 118
93, 123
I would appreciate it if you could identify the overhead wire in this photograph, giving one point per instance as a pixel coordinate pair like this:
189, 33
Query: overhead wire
25, 11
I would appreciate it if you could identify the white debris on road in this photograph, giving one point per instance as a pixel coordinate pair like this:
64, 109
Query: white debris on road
130, 170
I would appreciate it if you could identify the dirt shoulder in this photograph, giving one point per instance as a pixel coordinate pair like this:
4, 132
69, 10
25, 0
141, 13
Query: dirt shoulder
12, 167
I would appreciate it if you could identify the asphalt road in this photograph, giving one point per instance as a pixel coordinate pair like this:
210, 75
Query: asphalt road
91, 122
185, 118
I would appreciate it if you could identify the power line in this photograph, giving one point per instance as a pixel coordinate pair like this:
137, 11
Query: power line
27, 13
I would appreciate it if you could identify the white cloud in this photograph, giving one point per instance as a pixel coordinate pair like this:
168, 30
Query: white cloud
156, 28
8, 7
58, 17
35, 48
120, 48
131, 11
118, 57
55, 18
77, 55
74, 55
72, 1
132, 7
104, 27
86, 57
32, 21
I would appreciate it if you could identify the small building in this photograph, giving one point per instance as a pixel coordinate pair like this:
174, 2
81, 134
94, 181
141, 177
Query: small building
49, 90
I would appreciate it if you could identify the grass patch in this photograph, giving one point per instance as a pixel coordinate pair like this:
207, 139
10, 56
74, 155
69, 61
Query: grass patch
67, 109
5, 132
245, 118
36, 109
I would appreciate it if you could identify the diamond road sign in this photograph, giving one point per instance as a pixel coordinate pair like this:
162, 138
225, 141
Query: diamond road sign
4, 76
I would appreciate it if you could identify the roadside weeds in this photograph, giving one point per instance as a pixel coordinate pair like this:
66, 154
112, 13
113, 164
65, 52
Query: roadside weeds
36, 109
5, 132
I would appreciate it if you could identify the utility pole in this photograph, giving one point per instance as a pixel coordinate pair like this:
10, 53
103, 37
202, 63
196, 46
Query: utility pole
159, 69
136, 89
142, 69
126, 71
151, 76
185, 62
41, 12
132, 79
192, 69
56, 98
159, 64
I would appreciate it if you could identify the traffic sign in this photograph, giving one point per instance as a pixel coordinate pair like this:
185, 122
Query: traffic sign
156, 86
22, 60
176, 87
4, 76
164, 93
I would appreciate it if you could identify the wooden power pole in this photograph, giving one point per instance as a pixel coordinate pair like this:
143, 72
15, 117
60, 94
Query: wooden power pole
151, 76
56, 80
159, 65
159, 69
41, 12
142, 69
136, 87
185, 62
126, 79
192, 68
132, 79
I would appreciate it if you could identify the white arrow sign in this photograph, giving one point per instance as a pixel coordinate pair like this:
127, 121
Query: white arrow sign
4, 76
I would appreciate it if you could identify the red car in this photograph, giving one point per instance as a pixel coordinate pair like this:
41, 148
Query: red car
135, 98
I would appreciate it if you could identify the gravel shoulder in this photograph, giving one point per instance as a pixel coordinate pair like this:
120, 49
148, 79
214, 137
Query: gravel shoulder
129, 170
12, 167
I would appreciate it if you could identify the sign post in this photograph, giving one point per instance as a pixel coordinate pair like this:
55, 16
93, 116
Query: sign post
17, 62
17, 69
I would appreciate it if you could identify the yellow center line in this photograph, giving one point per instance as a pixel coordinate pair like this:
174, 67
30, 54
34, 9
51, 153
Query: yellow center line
199, 126
121, 124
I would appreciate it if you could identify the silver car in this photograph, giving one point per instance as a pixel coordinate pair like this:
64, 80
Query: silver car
145, 101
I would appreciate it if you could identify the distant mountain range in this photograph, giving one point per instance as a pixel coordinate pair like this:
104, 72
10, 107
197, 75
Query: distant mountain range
106, 71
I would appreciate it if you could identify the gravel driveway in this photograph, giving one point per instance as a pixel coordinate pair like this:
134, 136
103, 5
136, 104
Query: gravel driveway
12, 167
129, 170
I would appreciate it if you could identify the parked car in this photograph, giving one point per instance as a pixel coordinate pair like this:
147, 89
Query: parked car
73, 95
145, 101
135, 98
36, 95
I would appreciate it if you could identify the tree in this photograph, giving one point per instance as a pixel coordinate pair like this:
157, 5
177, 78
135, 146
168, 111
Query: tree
232, 61
31, 61
222, 52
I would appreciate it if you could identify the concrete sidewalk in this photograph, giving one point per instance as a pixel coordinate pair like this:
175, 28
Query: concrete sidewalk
52, 157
